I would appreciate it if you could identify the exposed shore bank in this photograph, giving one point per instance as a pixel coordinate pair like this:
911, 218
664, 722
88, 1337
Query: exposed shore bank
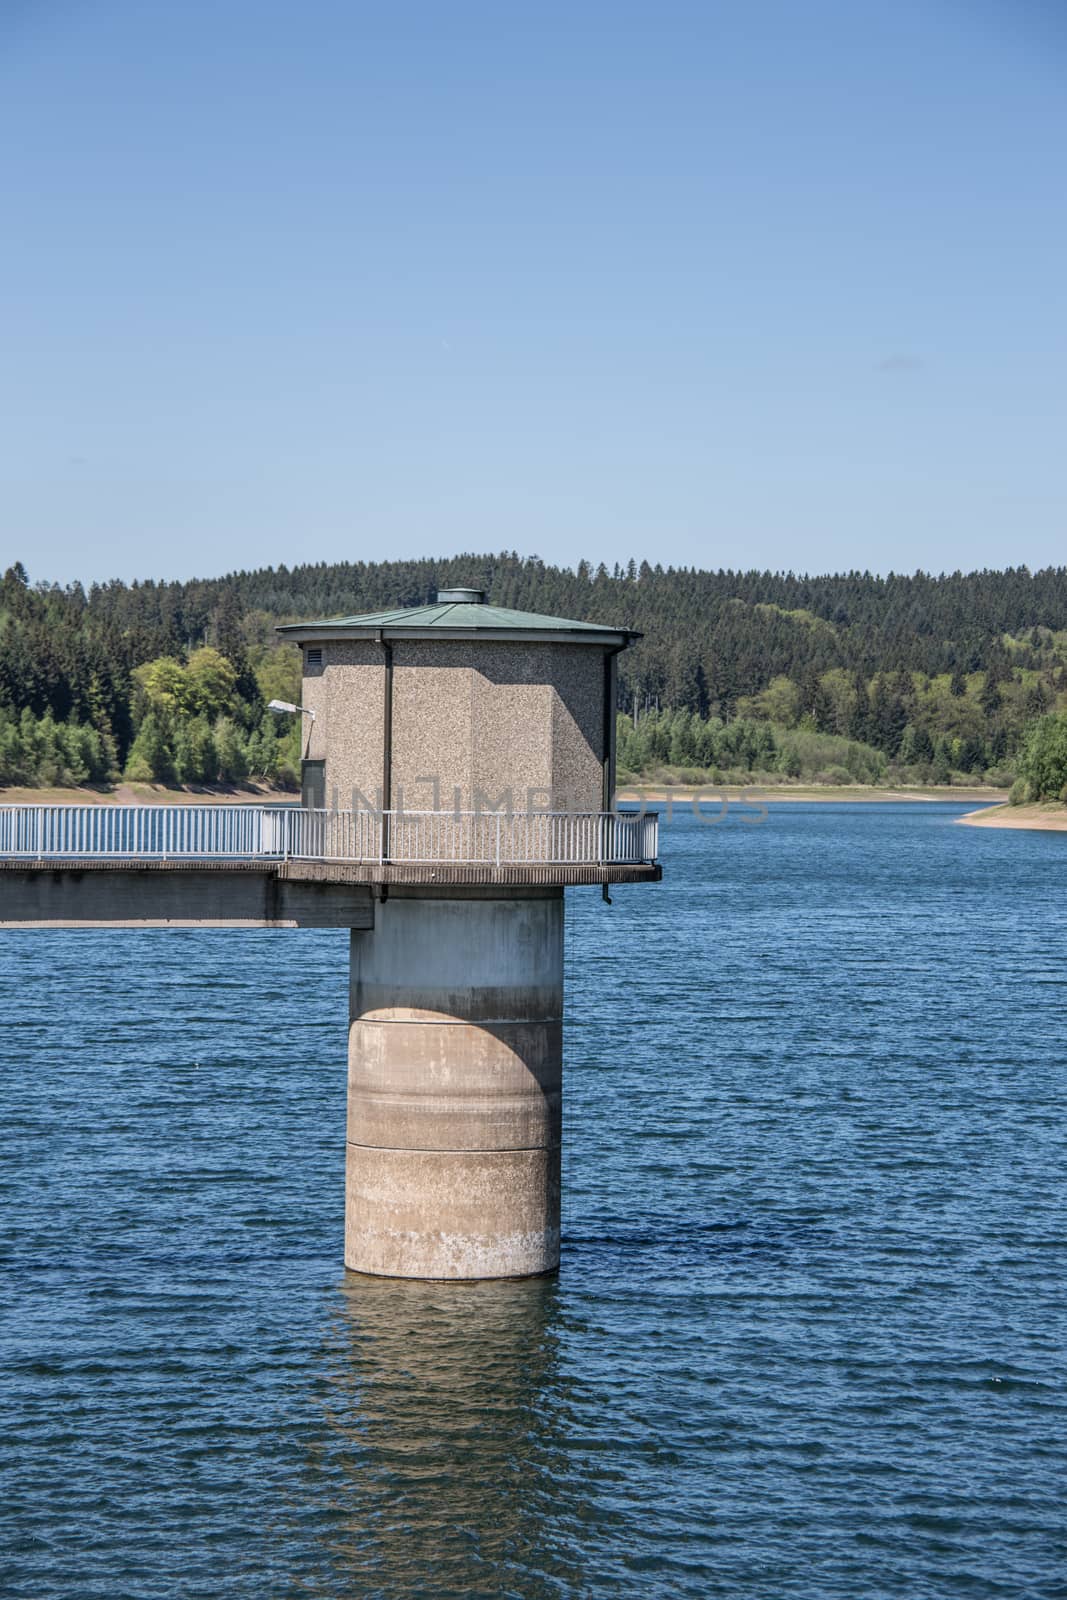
801, 792
1050, 817
154, 794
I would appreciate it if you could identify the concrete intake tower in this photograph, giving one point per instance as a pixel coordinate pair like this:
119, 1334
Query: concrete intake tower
484, 739
458, 775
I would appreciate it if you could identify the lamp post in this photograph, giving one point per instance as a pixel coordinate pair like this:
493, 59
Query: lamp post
287, 708
287, 705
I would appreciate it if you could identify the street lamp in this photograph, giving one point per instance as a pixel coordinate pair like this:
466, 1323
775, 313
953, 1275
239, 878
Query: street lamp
287, 705
286, 708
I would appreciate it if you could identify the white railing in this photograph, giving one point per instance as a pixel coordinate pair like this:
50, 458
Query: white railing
494, 838
124, 831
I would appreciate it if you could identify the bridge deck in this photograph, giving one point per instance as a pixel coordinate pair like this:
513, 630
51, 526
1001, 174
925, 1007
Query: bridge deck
321, 850
174, 894
266, 866
98, 893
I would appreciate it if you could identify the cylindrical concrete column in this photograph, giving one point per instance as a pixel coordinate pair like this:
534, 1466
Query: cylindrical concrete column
454, 1086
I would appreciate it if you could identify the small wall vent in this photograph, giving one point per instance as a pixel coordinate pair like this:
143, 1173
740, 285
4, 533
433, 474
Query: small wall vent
314, 656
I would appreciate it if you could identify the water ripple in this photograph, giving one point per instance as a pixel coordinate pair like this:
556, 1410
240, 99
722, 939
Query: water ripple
808, 1338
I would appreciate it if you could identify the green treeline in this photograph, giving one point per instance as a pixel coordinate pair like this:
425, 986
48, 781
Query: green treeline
1042, 764
694, 749
899, 727
84, 703
929, 678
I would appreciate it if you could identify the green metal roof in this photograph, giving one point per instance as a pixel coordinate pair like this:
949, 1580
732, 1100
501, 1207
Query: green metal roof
460, 619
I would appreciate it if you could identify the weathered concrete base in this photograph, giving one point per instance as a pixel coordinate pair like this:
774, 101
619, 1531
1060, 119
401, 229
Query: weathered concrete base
452, 1213
454, 1088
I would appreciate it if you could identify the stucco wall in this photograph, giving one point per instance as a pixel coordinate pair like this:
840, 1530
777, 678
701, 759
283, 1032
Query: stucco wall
578, 728
347, 697
484, 718
432, 689
512, 698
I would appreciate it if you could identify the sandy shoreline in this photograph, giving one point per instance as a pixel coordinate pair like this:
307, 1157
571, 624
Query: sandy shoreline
799, 793
1050, 818
152, 794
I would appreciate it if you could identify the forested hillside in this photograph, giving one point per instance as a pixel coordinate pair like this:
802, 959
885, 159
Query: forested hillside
848, 676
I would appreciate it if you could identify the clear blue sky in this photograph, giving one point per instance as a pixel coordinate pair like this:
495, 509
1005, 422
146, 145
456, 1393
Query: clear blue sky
770, 283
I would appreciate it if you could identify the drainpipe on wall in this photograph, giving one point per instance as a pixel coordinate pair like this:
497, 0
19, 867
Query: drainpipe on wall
610, 694
387, 742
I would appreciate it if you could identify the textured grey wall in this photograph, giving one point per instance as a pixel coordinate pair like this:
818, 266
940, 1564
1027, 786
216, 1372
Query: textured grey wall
483, 718
347, 697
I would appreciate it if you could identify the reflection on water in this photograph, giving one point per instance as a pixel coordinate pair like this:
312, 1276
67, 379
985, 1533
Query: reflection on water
444, 1419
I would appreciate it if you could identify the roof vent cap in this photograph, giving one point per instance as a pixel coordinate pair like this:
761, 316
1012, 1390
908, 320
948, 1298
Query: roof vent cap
463, 597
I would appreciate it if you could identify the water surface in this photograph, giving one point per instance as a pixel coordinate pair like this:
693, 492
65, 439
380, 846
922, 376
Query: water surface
809, 1334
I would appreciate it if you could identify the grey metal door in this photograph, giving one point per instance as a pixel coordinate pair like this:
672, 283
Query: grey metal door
313, 785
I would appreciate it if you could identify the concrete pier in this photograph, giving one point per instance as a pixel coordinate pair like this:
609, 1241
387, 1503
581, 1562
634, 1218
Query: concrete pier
454, 1086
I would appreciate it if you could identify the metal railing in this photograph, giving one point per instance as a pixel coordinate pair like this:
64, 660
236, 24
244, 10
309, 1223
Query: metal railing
131, 831
497, 838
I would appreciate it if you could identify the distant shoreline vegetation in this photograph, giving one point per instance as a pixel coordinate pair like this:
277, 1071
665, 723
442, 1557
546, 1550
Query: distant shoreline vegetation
681, 748
836, 680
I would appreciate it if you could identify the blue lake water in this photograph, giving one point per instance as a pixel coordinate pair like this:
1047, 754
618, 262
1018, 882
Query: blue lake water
809, 1334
